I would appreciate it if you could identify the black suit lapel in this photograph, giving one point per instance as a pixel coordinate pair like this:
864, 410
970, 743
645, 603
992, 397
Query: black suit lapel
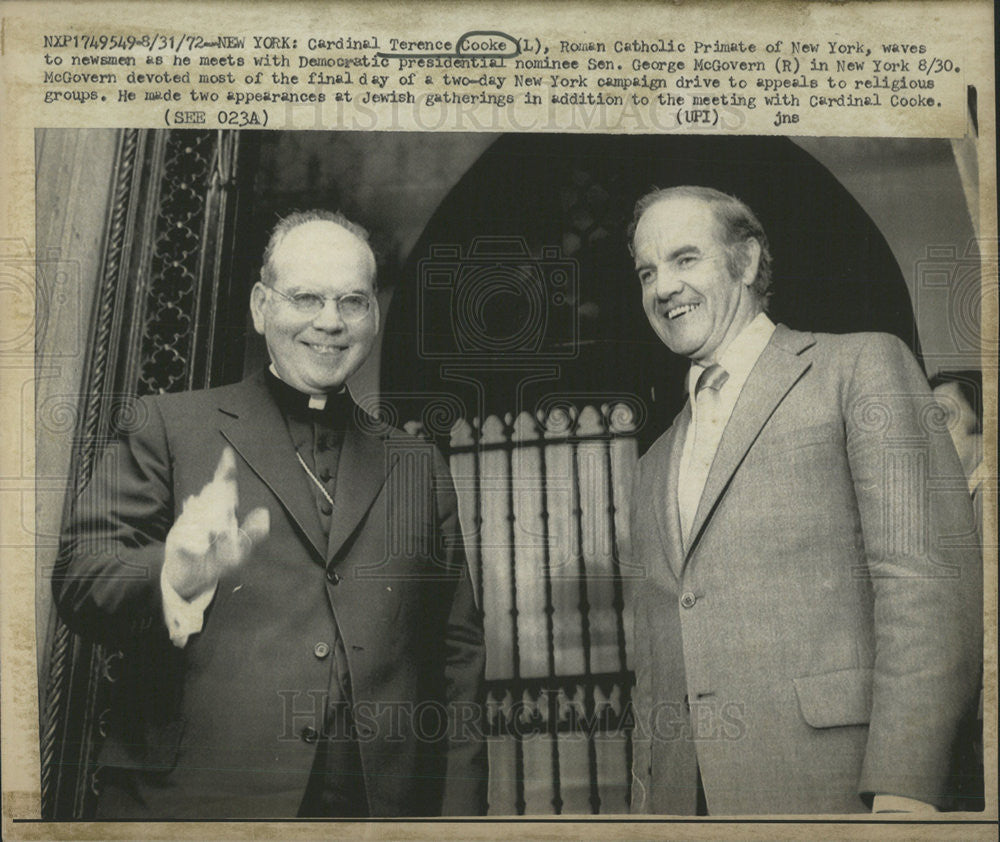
361, 473
254, 426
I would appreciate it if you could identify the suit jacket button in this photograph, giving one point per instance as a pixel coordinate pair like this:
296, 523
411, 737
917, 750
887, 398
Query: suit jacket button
325, 475
333, 577
321, 650
688, 600
309, 734
326, 509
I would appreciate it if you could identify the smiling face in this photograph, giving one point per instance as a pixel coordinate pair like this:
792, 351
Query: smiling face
693, 303
316, 353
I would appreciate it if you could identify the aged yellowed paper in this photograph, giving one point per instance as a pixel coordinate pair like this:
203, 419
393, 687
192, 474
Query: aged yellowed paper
148, 151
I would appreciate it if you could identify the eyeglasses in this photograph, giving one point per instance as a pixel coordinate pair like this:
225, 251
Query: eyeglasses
352, 306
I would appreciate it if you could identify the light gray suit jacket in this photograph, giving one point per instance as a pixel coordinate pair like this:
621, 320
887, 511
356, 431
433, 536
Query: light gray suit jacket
820, 637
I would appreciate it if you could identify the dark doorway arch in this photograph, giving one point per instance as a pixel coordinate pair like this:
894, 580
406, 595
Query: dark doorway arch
485, 287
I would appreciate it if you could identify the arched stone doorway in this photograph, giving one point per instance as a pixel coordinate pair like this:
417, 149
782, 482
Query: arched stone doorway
182, 249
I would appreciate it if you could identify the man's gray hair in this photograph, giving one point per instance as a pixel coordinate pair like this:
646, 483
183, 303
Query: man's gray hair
737, 223
294, 220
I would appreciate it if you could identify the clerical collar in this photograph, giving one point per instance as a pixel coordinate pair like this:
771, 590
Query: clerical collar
338, 405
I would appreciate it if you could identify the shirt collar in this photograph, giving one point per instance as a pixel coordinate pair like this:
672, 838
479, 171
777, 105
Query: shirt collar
741, 355
315, 401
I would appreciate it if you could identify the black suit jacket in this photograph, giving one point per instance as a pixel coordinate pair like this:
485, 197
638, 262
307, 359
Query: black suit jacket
221, 727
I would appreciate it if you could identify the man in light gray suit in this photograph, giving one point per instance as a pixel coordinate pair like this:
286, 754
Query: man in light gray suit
808, 615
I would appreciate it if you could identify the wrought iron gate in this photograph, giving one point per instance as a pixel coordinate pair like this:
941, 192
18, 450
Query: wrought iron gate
544, 506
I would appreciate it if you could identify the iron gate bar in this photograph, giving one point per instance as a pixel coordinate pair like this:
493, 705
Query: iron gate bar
519, 801
619, 597
588, 702
550, 641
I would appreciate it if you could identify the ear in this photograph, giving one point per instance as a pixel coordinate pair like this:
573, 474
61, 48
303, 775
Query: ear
751, 249
376, 312
258, 300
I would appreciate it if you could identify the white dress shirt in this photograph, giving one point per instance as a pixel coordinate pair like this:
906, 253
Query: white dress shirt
710, 413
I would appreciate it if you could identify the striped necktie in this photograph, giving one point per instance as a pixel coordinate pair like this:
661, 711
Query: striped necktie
694, 472
714, 378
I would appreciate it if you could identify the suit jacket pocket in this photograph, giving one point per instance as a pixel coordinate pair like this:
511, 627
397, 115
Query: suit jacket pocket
836, 698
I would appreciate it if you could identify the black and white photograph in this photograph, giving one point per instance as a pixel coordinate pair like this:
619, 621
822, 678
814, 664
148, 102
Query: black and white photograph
432, 550
497, 421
